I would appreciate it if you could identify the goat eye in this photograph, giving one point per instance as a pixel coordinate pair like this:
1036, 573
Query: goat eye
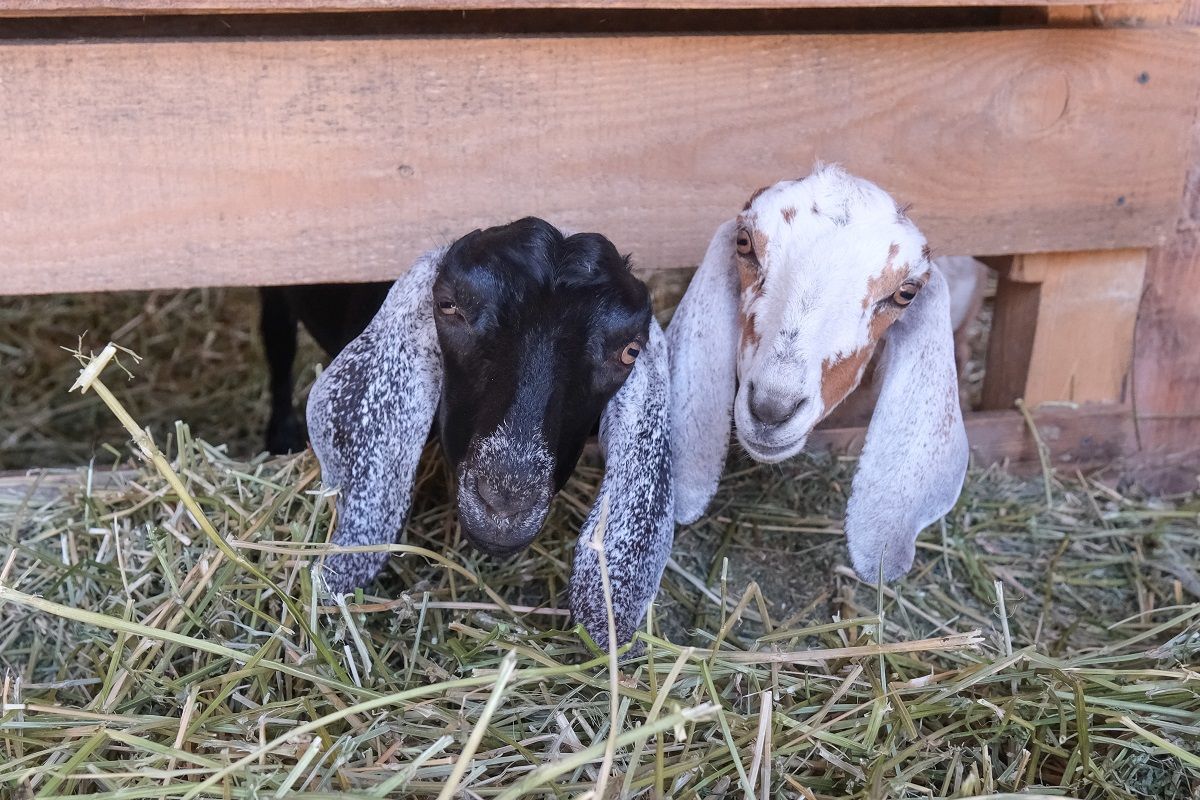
745, 245
630, 353
448, 307
905, 294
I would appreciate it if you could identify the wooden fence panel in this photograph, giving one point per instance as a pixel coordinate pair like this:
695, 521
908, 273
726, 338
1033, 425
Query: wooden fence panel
144, 164
103, 7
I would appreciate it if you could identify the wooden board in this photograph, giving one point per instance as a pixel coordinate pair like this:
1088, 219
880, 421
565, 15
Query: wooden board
93, 7
1166, 370
1078, 438
1086, 315
142, 164
1010, 342
1063, 328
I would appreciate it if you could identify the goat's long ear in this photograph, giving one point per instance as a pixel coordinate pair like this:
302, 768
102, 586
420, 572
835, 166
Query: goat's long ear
637, 493
369, 415
915, 456
703, 337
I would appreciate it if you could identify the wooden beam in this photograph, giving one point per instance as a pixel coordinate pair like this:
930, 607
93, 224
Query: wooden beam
1078, 437
1086, 315
154, 164
1010, 342
113, 7
1167, 359
1063, 329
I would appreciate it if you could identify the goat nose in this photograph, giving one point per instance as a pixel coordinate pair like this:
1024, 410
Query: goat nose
770, 408
500, 501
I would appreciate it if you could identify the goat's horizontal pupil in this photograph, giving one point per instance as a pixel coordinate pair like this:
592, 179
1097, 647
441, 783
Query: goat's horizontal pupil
744, 245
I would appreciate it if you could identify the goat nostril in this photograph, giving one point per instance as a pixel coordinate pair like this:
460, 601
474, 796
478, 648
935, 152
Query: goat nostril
773, 409
500, 502
491, 497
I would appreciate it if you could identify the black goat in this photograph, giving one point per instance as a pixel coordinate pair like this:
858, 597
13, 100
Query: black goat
518, 339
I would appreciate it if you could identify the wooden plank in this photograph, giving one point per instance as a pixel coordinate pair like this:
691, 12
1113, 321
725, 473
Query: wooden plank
1086, 314
137, 164
1167, 358
1063, 328
1078, 437
1010, 343
112, 7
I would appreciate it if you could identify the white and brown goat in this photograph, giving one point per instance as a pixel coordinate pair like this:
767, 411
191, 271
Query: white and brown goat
792, 300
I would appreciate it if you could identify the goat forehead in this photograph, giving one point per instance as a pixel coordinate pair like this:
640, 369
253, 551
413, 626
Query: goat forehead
824, 270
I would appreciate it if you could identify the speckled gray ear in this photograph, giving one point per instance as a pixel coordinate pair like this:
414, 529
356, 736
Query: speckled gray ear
369, 415
915, 456
637, 490
703, 338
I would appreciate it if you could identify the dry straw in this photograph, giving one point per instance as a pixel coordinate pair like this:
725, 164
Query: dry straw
160, 637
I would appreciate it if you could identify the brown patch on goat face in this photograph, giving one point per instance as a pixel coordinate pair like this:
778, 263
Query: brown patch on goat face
760, 243
840, 376
749, 279
749, 267
888, 313
887, 281
789, 214
754, 197
882, 320
750, 335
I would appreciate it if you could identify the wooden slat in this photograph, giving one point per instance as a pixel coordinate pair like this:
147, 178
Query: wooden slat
1078, 437
1063, 328
107, 7
1014, 325
1084, 341
1167, 359
137, 164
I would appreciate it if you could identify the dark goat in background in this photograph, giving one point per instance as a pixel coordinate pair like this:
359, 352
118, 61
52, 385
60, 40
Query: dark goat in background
511, 345
334, 314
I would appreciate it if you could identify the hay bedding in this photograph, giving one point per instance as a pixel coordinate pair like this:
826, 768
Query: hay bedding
149, 650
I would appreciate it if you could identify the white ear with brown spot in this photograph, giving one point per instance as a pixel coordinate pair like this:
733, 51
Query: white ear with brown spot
703, 338
915, 456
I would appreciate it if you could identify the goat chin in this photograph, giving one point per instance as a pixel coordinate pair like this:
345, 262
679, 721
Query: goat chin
771, 453
496, 534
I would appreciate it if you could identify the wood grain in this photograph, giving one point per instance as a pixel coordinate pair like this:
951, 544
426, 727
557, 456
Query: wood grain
99, 7
1063, 328
1166, 370
1079, 437
1010, 342
1086, 315
145, 164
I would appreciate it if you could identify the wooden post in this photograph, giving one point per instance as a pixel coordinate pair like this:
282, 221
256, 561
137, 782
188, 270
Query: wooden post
1166, 369
1063, 329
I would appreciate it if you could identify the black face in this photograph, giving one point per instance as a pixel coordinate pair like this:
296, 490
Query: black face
537, 332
